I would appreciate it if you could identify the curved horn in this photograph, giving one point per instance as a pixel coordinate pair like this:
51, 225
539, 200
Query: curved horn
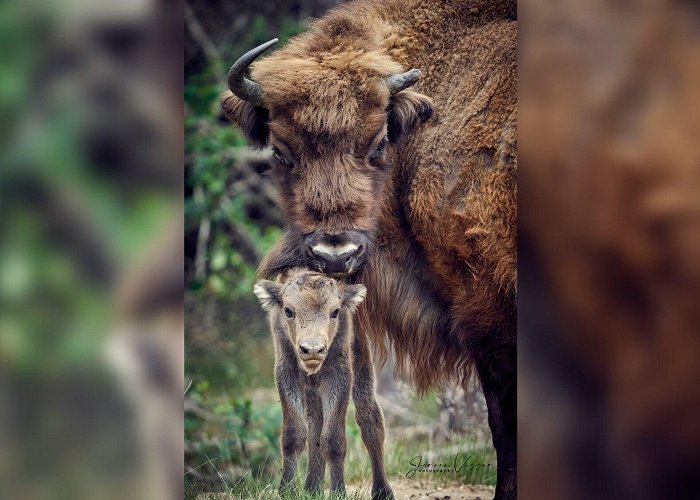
242, 87
401, 81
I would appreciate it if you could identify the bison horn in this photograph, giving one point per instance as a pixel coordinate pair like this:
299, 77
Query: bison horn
242, 87
397, 83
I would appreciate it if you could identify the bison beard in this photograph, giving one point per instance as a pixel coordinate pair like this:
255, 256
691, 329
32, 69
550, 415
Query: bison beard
433, 196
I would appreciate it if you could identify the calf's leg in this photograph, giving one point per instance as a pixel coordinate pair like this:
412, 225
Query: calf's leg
369, 415
314, 417
335, 393
293, 437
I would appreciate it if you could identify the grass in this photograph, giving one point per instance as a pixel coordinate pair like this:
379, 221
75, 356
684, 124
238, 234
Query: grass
400, 450
358, 478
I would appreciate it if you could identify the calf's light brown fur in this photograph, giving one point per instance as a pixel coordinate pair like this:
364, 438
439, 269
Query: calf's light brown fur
315, 382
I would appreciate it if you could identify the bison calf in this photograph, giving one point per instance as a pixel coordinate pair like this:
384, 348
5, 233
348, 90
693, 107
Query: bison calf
318, 360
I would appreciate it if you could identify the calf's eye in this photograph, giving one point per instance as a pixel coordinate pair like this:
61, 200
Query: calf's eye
334, 314
288, 312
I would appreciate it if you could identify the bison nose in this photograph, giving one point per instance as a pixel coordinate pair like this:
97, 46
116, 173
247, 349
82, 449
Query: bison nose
335, 262
332, 256
312, 347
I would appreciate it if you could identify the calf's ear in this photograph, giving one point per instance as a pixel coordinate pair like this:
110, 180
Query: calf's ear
407, 110
353, 295
251, 119
268, 293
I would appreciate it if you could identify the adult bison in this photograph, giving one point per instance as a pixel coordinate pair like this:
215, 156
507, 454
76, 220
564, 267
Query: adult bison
393, 126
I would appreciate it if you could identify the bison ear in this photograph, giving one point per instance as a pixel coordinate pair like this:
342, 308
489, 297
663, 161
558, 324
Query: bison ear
251, 119
268, 293
353, 296
407, 110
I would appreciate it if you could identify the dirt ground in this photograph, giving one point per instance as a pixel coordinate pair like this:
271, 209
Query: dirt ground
404, 489
407, 489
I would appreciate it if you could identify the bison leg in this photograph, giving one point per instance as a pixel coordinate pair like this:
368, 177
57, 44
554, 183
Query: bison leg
336, 395
496, 369
293, 438
314, 417
369, 415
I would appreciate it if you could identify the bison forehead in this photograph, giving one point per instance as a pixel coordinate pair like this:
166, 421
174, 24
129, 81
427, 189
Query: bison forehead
322, 102
325, 92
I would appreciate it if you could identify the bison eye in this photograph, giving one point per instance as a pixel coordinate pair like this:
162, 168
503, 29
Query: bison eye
288, 312
334, 314
280, 157
380, 150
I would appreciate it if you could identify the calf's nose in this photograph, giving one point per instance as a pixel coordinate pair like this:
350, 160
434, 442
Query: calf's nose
312, 347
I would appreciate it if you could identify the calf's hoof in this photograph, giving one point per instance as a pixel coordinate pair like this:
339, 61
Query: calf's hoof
339, 493
382, 493
315, 491
288, 490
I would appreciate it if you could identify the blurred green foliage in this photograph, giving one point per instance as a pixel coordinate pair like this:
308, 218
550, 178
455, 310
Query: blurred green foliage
246, 433
54, 308
82, 202
211, 148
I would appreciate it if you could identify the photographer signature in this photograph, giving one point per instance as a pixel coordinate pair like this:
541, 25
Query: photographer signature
457, 465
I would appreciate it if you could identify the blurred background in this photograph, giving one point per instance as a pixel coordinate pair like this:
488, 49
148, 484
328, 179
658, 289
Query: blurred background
609, 250
91, 279
232, 411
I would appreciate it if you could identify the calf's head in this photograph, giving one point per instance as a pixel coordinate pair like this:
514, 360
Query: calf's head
332, 105
309, 307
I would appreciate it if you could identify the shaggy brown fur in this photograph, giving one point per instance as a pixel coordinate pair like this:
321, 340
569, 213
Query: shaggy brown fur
611, 251
439, 202
310, 309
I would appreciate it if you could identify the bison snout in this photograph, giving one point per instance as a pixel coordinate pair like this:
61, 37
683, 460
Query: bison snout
343, 253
